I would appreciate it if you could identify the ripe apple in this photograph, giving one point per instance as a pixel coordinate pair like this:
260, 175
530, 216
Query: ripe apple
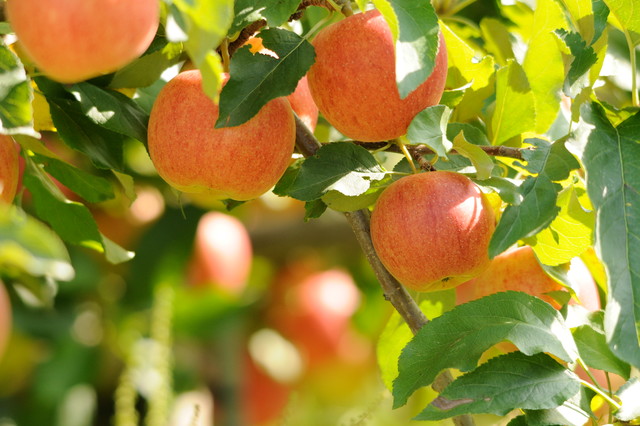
222, 253
432, 230
263, 398
518, 269
9, 168
74, 40
241, 162
301, 100
353, 80
313, 309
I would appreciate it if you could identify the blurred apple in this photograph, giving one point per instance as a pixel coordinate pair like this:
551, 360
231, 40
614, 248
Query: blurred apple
222, 253
9, 168
5, 318
263, 398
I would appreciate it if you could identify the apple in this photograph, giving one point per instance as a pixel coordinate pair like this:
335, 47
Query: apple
241, 162
74, 40
222, 253
432, 230
9, 169
353, 80
264, 399
518, 269
313, 310
301, 100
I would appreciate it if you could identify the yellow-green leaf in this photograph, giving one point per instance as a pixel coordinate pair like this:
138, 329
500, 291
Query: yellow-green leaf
481, 161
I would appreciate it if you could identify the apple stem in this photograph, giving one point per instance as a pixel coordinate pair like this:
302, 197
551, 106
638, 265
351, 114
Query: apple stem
405, 152
393, 291
226, 57
596, 386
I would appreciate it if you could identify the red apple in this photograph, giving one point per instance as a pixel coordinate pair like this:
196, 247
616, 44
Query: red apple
353, 80
73, 40
222, 254
432, 230
5, 318
9, 168
264, 399
518, 269
241, 162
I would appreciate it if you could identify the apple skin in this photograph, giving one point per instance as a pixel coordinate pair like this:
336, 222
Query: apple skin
353, 80
432, 230
263, 398
74, 40
301, 100
222, 253
518, 269
9, 169
241, 162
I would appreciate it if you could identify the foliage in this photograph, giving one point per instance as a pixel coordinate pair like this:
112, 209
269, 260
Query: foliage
534, 112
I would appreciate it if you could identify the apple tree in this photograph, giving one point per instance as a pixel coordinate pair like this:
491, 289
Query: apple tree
133, 121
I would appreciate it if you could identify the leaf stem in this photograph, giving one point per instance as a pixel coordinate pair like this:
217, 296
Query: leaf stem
407, 154
634, 69
602, 393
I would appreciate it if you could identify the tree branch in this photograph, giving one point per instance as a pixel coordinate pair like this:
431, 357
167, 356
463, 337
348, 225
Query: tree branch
419, 150
393, 291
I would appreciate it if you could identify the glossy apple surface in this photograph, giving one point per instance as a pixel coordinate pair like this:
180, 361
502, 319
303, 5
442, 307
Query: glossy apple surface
222, 253
9, 169
353, 80
241, 162
432, 230
74, 40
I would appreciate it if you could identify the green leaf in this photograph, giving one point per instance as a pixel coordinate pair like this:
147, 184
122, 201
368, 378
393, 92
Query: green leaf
16, 94
535, 212
518, 421
30, 246
570, 233
507, 189
202, 26
458, 338
628, 395
101, 145
397, 334
497, 40
480, 159
584, 57
340, 166
614, 191
627, 15
416, 44
275, 13
545, 76
70, 220
147, 69
600, 16
255, 79
504, 383
429, 127
92, 188
575, 411
594, 351
514, 111
314, 209
111, 110
344, 203
581, 12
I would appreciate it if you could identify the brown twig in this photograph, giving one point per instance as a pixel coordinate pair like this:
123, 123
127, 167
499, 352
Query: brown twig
496, 151
393, 291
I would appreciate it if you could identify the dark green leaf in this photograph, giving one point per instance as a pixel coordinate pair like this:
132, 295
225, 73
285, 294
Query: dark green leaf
576, 411
595, 352
583, 59
102, 146
518, 421
344, 167
611, 157
504, 383
314, 209
16, 93
255, 79
112, 110
288, 178
554, 160
275, 13
429, 127
92, 188
417, 42
535, 212
30, 246
458, 338
472, 133
600, 15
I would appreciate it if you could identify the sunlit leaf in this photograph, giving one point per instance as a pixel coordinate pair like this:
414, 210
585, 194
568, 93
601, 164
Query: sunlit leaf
16, 93
429, 127
480, 159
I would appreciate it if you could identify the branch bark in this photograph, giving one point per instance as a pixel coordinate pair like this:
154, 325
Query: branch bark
419, 150
393, 291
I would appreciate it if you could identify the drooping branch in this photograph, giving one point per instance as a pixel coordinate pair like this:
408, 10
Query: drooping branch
393, 291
